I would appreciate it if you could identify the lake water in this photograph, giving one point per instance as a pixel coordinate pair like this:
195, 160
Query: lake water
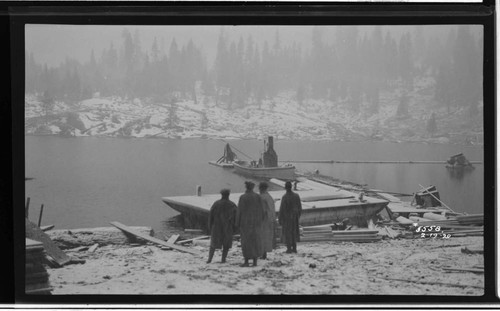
88, 182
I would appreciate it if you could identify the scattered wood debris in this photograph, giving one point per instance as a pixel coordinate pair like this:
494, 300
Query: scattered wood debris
152, 239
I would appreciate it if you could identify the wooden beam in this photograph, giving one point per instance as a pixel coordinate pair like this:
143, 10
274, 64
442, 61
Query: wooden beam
40, 217
433, 283
47, 228
27, 209
173, 238
93, 248
464, 270
194, 239
152, 239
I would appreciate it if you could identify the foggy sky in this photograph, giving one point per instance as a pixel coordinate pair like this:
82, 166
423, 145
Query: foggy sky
51, 44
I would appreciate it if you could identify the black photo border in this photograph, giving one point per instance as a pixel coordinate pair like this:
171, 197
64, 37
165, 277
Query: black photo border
15, 15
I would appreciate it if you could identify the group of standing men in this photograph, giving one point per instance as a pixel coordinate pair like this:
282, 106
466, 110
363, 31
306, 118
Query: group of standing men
255, 217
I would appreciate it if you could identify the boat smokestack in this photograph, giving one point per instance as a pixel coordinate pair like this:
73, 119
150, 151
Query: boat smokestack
270, 158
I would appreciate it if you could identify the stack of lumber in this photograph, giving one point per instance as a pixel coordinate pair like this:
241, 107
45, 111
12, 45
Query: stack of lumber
37, 278
476, 219
448, 223
318, 234
55, 255
466, 232
456, 226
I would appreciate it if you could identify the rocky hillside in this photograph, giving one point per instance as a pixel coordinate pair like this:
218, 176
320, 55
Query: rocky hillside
281, 117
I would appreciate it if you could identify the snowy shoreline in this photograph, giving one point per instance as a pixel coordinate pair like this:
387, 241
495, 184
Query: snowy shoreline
281, 117
387, 267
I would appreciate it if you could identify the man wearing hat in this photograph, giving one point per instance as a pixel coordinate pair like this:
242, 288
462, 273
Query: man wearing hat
249, 219
269, 220
221, 223
289, 214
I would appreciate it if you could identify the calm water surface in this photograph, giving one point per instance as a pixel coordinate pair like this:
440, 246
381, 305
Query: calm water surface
88, 182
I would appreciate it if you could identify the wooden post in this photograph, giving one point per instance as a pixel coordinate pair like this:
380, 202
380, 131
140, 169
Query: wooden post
27, 210
40, 218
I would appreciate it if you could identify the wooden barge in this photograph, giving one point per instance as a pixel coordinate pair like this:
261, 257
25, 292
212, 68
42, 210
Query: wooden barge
281, 172
321, 204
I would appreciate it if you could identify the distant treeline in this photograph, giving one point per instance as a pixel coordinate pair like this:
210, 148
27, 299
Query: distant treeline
354, 68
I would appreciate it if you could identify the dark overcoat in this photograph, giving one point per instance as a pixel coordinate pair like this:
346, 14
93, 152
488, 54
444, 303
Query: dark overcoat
268, 223
289, 214
249, 219
221, 222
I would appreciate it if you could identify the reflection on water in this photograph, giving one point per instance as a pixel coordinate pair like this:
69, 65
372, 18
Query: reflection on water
459, 173
88, 182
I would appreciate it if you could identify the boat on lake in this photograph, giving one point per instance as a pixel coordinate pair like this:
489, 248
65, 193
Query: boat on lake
265, 167
254, 170
321, 204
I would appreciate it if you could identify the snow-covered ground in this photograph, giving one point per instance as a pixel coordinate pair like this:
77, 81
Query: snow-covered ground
281, 117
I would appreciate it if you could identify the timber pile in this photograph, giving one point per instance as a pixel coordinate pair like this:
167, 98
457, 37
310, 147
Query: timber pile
319, 233
36, 278
458, 226
53, 252
476, 219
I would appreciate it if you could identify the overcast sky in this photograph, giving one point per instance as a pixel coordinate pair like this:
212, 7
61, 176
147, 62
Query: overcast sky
51, 44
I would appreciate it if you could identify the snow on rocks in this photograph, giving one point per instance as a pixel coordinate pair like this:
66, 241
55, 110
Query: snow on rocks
282, 117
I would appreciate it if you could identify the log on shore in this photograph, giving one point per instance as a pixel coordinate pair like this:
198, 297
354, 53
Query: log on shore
71, 238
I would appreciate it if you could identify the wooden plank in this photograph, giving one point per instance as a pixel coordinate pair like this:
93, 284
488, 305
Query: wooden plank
388, 197
193, 239
463, 231
433, 283
193, 230
47, 228
464, 270
404, 209
355, 232
472, 250
359, 240
351, 237
173, 238
93, 248
77, 249
152, 239
35, 233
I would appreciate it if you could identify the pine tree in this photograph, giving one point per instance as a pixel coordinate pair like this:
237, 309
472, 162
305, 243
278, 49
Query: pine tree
48, 102
431, 124
466, 62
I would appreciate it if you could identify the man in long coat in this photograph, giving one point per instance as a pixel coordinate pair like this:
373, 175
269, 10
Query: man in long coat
269, 219
249, 219
289, 214
221, 222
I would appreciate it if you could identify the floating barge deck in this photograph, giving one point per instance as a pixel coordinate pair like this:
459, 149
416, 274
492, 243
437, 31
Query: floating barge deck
321, 204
